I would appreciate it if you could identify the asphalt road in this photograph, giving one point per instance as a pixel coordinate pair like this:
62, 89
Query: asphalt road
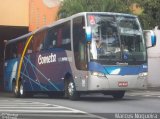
134, 105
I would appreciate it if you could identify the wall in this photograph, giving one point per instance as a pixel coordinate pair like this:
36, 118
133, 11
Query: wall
154, 63
42, 12
14, 12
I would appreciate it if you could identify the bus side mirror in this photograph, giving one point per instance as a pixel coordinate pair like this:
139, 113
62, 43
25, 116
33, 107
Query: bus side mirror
153, 40
150, 38
88, 33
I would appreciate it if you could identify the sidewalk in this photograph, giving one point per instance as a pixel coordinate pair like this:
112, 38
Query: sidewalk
150, 89
153, 89
144, 93
149, 92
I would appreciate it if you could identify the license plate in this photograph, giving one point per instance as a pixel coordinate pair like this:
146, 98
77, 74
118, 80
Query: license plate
122, 84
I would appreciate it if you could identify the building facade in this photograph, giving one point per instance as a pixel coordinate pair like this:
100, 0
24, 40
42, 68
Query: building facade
19, 17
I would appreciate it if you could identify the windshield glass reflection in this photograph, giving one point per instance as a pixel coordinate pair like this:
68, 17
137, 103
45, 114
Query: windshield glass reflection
116, 38
105, 43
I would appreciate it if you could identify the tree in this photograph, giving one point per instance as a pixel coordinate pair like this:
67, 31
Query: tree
70, 7
149, 15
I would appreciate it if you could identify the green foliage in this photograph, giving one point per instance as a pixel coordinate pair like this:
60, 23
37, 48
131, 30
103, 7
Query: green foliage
70, 7
149, 18
151, 15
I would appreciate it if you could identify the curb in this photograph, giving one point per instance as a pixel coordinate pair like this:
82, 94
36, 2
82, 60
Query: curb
153, 89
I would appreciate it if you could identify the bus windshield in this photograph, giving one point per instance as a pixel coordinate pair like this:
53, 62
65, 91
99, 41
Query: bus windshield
116, 38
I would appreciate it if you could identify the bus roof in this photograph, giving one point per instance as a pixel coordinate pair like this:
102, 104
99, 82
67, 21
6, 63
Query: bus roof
105, 13
26, 35
85, 13
66, 19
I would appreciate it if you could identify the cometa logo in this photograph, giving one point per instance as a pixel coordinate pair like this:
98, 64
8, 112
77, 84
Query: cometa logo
46, 59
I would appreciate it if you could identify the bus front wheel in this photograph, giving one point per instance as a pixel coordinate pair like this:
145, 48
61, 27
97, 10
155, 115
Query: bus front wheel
71, 90
118, 94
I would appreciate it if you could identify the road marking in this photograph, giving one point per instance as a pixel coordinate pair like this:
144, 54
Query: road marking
34, 107
39, 111
147, 95
29, 108
40, 107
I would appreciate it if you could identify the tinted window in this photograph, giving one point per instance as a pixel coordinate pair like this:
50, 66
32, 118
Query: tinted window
80, 52
15, 50
58, 37
36, 43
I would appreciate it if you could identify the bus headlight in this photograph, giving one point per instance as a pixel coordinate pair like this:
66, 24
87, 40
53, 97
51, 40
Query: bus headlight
98, 74
143, 74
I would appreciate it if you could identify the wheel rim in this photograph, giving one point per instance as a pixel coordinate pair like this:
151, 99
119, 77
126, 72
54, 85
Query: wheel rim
21, 89
70, 88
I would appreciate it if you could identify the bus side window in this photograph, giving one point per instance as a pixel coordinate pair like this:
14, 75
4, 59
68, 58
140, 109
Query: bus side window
80, 53
40, 47
30, 47
14, 51
8, 52
50, 39
37, 42
66, 39
58, 37
11, 52
20, 48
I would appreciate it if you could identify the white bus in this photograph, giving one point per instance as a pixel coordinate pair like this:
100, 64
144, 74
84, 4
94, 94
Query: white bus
89, 52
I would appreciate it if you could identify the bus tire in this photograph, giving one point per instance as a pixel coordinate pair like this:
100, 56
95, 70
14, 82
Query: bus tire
22, 93
118, 94
71, 90
15, 92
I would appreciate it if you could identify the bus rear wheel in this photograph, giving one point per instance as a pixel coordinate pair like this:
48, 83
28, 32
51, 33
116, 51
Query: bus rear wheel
23, 93
14, 90
71, 90
21, 90
20, 93
118, 94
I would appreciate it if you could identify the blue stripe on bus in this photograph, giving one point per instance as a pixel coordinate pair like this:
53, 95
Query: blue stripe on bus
117, 70
10, 73
36, 72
